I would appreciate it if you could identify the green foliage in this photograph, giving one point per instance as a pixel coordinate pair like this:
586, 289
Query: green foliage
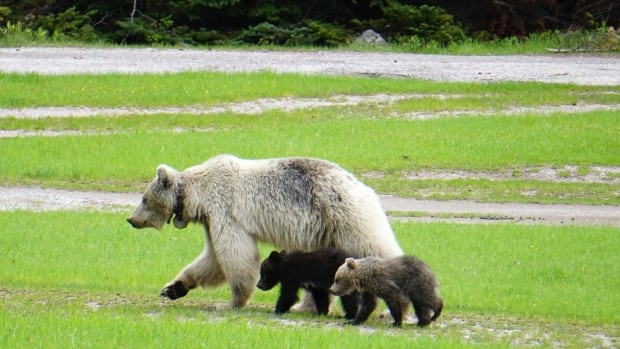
17, 34
4, 12
328, 34
267, 34
309, 33
426, 24
602, 38
71, 24
144, 29
429, 29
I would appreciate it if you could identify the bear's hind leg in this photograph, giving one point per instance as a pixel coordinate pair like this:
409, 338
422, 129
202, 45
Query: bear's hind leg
437, 309
422, 312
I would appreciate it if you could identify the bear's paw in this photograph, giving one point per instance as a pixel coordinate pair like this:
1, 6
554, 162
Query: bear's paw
174, 290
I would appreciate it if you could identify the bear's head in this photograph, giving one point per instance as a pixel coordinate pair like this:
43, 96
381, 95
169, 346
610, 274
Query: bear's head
344, 280
162, 199
270, 271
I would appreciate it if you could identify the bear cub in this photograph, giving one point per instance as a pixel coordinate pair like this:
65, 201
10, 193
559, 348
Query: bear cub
313, 271
397, 281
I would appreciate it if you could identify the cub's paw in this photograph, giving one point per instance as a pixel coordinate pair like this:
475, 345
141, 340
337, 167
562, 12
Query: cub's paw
353, 322
174, 290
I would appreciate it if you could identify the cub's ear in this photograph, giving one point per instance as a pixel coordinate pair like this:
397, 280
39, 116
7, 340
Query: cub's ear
350, 262
275, 255
166, 175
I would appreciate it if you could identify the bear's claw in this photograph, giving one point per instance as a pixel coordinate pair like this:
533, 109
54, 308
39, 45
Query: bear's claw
174, 291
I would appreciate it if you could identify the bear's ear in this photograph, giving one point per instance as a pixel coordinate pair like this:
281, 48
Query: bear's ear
350, 262
166, 175
275, 256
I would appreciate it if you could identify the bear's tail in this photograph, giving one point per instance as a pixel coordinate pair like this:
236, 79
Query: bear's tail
438, 309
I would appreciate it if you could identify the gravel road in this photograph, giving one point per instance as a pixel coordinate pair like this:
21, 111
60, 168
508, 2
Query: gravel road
577, 69
44, 199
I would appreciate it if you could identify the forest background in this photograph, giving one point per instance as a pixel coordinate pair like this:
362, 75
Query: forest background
324, 23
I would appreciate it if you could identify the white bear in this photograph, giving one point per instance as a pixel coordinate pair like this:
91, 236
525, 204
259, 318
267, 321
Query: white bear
292, 203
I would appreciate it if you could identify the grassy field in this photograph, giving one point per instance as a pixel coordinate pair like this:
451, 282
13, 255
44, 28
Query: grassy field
174, 89
87, 279
372, 137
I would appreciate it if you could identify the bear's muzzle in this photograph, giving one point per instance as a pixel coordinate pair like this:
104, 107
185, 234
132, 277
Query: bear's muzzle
130, 221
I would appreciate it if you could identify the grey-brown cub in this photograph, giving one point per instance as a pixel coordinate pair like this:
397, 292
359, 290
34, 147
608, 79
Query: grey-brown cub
397, 281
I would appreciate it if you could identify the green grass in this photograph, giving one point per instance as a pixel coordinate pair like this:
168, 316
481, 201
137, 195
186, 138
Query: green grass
486, 190
360, 141
75, 279
206, 88
368, 137
182, 88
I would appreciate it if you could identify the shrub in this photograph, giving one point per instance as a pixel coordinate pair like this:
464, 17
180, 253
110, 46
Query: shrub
144, 29
416, 25
17, 34
310, 33
70, 24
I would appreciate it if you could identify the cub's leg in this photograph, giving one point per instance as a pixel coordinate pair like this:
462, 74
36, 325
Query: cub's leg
394, 302
288, 297
321, 300
369, 303
350, 305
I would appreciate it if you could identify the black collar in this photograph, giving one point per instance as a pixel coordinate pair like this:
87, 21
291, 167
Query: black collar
180, 194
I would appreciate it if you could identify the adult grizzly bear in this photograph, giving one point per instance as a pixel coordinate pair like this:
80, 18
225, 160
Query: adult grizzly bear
292, 203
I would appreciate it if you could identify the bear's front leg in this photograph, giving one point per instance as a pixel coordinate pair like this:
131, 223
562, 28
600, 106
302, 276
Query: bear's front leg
369, 303
203, 271
288, 297
350, 305
321, 300
174, 290
238, 257
241, 294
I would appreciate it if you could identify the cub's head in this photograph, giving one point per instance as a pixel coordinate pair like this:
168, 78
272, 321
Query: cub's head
270, 270
344, 280
160, 201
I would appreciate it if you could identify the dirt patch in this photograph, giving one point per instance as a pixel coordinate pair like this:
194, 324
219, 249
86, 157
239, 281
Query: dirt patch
470, 327
538, 110
563, 174
262, 105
